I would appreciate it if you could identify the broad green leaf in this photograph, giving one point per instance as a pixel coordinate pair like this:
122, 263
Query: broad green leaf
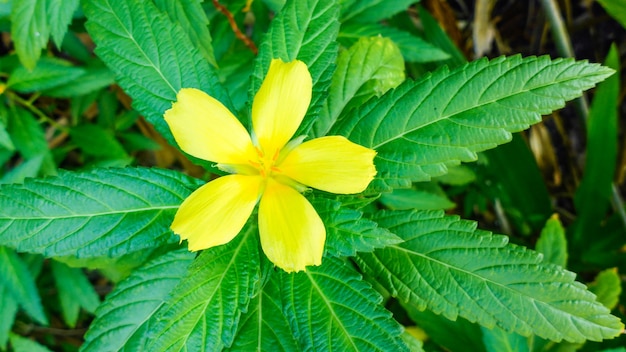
92, 79
447, 117
455, 336
152, 57
29, 30
75, 292
364, 11
348, 232
16, 279
23, 344
592, 199
369, 68
498, 340
305, 30
101, 212
331, 308
413, 48
552, 243
8, 310
449, 267
264, 327
203, 310
615, 8
60, 16
190, 15
608, 287
404, 199
48, 73
123, 320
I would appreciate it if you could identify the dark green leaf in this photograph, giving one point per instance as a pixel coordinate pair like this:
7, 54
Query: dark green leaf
8, 310
364, 11
95, 141
404, 199
48, 73
608, 287
22, 344
498, 340
92, 79
60, 16
75, 292
552, 243
615, 8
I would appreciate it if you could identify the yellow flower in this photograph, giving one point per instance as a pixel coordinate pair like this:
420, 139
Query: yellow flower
267, 168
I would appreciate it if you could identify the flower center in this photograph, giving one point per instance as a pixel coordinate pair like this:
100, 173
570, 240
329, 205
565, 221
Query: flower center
265, 164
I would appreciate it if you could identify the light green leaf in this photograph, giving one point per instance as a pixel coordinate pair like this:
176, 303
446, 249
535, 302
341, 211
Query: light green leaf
332, 309
152, 57
348, 232
60, 15
369, 68
123, 320
5, 139
264, 327
552, 242
29, 30
498, 340
608, 287
615, 8
404, 199
413, 48
447, 117
8, 310
203, 310
48, 73
305, 30
101, 212
75, 292
364, 11
22, 344
190, 15
92, 79
16, 279
449, 267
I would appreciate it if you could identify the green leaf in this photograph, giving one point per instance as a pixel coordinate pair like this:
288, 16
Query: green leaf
413, 48
8, 310
615, 8
404, 199
101, 212
27, 135
94, 78
364, 11
190, 15
123, 320
592, 199
60, 15
348, 232
608, 287
28, 168
264, 327
16, 279
552, 243
48, 73
203, 310
22, 344
449, 267
5, 139
75, 292
369, 68
152, 57
29, 30
305, 30
447, 117
498, 340
96, 141
332, 309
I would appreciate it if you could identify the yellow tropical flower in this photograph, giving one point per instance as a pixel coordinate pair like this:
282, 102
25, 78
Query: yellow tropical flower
266, 168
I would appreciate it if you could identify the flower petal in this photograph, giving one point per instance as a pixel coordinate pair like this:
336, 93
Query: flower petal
203, 127
292, 234
280, 104
216, 212
331, 164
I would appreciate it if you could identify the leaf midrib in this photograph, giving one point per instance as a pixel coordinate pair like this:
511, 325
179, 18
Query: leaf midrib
90, 215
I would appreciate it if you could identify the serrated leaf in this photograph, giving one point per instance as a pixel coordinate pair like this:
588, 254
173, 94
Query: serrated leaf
607, 286
413, 48
60, 15
22, 344
152, 57
29, 30
348, 232
48, 73
192, 18
8, 310
552, 242
305, 30
264, 327
123, 320
101, 212
75, 292
329, 307
16, 279
447, 117
449, 267
369, 68
203, 310
404, 199
364, 11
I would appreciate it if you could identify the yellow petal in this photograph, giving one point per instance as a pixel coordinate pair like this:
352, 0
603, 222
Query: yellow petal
292, 234
216, 212
203, 127
280, 104
331, 164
